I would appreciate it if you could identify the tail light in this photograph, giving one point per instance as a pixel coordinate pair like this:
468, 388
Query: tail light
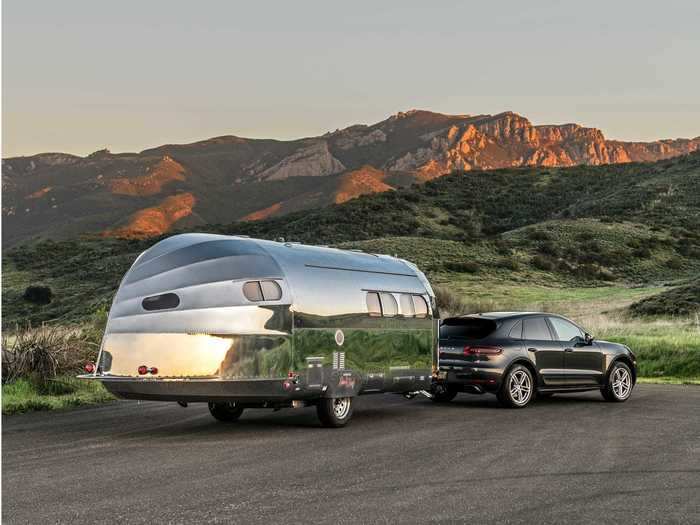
89, 367
153, 370
482, 350
143, 370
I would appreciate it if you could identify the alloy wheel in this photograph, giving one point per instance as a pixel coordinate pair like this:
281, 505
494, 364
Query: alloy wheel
520, 387
621, 383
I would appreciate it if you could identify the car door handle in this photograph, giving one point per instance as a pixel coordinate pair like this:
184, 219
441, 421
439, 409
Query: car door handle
568, 349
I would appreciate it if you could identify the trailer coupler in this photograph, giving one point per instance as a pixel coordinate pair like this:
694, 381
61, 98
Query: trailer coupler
411, 395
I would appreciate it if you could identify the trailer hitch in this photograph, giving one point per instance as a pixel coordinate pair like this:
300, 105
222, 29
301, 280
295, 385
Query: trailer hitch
411, 395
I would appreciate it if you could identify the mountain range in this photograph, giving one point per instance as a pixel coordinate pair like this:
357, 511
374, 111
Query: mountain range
228, 178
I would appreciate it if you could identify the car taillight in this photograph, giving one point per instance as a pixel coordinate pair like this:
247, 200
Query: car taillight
153, 370
89, 368
143, 370
482, 350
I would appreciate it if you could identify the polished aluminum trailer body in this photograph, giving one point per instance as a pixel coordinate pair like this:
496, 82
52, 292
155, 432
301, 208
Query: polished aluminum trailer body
203, 317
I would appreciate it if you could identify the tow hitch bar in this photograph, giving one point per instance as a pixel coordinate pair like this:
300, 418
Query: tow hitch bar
411, 395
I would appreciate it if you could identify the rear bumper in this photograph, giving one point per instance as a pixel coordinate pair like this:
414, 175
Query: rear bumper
204, 390
472, 379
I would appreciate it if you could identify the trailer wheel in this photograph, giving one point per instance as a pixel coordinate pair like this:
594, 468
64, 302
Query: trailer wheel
227, 412
334, 412
442, 394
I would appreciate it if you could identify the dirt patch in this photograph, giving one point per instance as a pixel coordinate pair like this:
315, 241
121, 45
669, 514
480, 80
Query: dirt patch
360, 182
167, 170
156, 220
264, 213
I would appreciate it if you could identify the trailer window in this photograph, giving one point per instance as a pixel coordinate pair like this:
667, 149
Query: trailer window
252, 291
420, 306
271, 290
165, 301
389, 306
373, 306
262, 291
407, 309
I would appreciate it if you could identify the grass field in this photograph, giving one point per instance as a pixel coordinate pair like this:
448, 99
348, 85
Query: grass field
63, 392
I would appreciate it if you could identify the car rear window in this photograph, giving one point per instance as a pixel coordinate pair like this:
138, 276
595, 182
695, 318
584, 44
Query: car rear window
467, 328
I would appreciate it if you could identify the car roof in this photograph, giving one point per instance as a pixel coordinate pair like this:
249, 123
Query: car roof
505, 315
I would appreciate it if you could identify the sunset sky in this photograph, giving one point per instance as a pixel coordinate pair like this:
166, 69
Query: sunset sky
84, 75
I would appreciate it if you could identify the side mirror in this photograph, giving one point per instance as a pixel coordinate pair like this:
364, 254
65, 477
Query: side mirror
588, 338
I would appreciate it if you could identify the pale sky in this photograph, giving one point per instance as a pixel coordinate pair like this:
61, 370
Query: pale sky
81, 75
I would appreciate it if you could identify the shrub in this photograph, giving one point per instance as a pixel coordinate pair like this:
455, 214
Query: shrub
539, 235
642, 252
674, 263
462, 267
548, 248
542, 262
448, 302
38, 294
684, 300
40, 354
509, 263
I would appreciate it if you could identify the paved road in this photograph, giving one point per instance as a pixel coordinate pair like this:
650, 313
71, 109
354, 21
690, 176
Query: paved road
569, 458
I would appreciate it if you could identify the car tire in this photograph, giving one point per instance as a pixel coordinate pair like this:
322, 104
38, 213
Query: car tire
618, 384
226, 412
517, 388
334, 412
443, 394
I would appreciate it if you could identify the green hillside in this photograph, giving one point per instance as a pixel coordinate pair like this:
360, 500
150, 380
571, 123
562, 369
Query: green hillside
577, 227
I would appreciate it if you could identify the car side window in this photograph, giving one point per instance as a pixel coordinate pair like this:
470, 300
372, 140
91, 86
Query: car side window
517, 331
535, 328
565, 330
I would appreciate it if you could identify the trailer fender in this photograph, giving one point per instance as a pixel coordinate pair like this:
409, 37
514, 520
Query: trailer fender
342, 383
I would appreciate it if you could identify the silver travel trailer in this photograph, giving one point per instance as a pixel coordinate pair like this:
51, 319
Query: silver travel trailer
239, 322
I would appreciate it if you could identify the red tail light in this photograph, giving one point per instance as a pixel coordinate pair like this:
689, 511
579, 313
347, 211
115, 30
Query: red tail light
153, 370
89, 368
143, 370
482, 350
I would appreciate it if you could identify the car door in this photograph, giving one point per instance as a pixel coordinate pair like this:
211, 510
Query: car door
583, 362
547, 353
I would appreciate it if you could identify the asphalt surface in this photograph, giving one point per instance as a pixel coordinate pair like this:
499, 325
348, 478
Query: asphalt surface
570, 458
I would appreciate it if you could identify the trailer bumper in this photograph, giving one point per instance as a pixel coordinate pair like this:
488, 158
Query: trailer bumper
205, 390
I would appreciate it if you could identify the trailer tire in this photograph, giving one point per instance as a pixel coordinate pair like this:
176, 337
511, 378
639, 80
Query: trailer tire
334, 412
226, 412
444, 394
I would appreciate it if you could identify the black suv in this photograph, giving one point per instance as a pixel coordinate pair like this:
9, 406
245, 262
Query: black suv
518, 355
